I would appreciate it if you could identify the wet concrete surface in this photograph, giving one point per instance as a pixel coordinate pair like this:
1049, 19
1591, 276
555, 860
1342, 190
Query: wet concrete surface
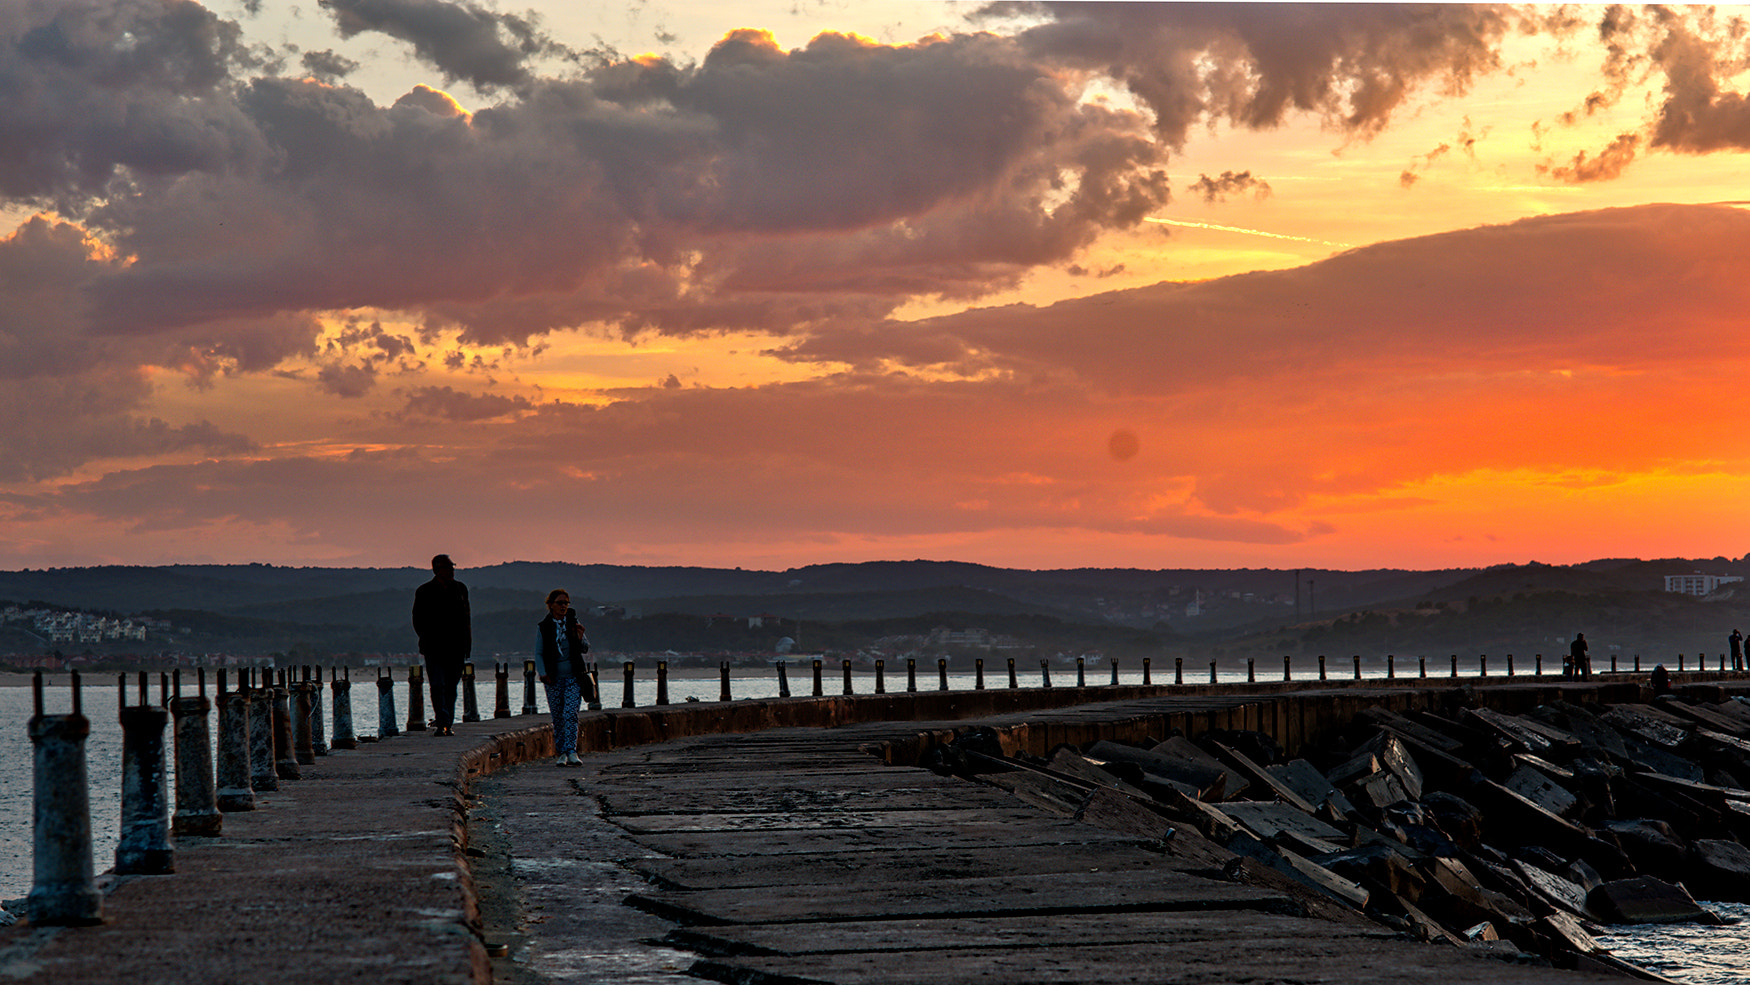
792, 856
351, 874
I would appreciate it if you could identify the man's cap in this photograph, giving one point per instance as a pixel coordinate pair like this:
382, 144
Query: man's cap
442, 561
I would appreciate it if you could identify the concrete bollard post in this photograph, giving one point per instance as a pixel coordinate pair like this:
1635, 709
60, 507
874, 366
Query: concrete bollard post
234, 793
1637, 663
144, 848
285, 759
387, 721
723, 680
1482, 665
1178, 670
529, 707
1212, 672
197, 813
1537, 665
318, 731
1045, 673
1613, 663
1423, 662
783, 681
416, 698
911, 675
1357, 659
1509, 665
470, 700
1013, 681
880, 676
815, 665
303, 746
978, 673
342, 697
1322, 667
627, 699
1680, 663
318, 737
1287, 667
847, 669
64, 889
262, 776
1147, 681
942, 672
1081, 672
1391, 667
592, 687
1455, 665
1114, 672
1251, 670
662, 682
501, 705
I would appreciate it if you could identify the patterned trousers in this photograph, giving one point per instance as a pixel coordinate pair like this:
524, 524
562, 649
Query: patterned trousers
563, 697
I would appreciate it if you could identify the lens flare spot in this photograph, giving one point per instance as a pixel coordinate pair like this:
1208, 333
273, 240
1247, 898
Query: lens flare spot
1123, 445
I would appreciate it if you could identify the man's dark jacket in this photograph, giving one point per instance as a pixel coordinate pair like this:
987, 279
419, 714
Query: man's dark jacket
441, 619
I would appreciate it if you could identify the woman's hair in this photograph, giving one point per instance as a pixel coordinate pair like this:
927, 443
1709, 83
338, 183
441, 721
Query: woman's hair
555, 593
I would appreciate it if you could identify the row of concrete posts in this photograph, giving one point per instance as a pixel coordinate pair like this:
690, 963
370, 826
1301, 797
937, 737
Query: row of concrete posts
269, 726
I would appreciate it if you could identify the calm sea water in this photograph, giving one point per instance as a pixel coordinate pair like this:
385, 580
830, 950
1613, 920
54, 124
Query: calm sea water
1682, 952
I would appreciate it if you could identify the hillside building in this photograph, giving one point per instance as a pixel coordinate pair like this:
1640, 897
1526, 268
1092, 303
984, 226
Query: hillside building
1697, 583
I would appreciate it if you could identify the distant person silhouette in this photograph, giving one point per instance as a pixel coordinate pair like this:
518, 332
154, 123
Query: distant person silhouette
1661, 680
560, 648
1578, 657
1737, 642
446, 638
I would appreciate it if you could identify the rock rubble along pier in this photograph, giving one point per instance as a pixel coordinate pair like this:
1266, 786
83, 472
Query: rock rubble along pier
742, 842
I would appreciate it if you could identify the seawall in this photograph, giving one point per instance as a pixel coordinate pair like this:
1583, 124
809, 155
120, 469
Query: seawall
363, 870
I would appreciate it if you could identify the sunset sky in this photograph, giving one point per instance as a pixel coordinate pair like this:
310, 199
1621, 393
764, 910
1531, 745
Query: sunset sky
767, 284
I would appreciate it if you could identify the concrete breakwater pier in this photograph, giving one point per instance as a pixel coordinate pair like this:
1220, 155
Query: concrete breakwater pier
744, 842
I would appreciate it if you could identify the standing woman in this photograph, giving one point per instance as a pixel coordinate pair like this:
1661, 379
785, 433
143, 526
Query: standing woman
561, 647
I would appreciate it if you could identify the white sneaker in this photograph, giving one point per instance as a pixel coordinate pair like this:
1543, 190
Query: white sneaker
560, 761
572, 760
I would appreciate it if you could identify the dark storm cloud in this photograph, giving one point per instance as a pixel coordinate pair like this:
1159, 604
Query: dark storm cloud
1607, 164
464, 41
784, 189
450, 404
1694, 54
1254, 63
1466, 295
1230, 183
93, 86
328, 66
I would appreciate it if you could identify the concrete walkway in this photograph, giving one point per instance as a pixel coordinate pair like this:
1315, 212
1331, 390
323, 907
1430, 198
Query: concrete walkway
350, 874
793, 856
782, 855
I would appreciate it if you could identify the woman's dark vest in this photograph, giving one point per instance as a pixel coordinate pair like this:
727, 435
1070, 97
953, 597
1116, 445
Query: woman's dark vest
550, 645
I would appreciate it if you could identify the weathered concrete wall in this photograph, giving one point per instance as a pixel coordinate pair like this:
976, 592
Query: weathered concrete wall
1294, 713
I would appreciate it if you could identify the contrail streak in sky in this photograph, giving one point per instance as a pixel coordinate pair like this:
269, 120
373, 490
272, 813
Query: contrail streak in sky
1238, 229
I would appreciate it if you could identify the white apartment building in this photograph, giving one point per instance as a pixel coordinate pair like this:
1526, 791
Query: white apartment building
1697, 583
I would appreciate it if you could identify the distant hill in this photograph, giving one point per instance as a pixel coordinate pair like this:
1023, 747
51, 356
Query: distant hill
259, 608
